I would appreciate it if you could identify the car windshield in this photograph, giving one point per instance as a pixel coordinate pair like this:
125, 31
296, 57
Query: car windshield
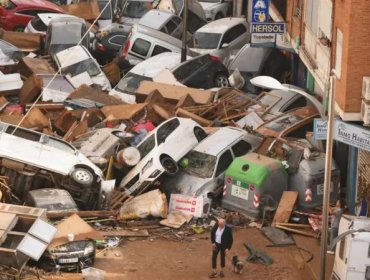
87, 65
283, 123
130, 82
66, 34
63, 203
202, 40
199, 164
136, 9
146, 146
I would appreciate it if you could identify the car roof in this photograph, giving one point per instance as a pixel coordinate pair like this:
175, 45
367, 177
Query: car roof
277, 98
157, 34
153, 65
221, 25
72, 55
218, 141
155, 18
47, 17
180, 64
37, 4
67, 19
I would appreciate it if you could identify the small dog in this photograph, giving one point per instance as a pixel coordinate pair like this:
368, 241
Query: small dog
237, 265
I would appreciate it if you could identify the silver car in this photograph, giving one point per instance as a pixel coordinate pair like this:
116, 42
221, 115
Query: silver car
220, 37
202, 169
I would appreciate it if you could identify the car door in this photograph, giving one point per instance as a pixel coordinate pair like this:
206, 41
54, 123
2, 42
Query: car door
57, 155
223, 163
192, 73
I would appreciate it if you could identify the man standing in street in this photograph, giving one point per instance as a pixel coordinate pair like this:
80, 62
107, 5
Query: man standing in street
222, 240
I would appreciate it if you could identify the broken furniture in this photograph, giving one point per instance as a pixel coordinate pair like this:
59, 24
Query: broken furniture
22, 236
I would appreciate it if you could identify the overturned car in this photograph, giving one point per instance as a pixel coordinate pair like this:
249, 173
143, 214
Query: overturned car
33, 160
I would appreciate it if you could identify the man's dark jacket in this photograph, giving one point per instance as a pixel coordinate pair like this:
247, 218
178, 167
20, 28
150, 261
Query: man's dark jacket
226, 237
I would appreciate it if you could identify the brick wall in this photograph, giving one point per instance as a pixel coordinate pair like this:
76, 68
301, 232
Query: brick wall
352, 17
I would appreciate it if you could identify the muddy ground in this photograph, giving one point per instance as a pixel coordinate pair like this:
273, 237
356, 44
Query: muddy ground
159, 259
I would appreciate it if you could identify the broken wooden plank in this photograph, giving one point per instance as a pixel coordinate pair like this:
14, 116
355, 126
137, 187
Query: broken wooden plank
82, 214
127, 233
183, 113
305, 233
285, 207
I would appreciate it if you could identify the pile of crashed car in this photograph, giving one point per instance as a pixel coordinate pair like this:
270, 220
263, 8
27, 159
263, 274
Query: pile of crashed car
97, 109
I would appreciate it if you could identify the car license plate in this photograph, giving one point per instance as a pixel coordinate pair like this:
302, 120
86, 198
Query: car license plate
320, 188
70, 260
239, 192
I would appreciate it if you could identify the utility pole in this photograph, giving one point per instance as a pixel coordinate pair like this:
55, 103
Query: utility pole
184, 30
327, 181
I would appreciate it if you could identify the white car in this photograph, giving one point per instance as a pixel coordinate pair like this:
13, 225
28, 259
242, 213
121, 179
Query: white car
76, 62
144, 71
55, 162
160, 151
39, 24
220, 37
215, 9
203, 168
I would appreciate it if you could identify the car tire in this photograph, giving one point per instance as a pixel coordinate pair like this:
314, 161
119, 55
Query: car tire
82, 176
19, 28
199, 134
221, 80
218, 16
169, 165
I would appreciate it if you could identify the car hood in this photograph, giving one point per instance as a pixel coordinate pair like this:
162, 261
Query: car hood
194, 51
208, 6
102, 80
185, 183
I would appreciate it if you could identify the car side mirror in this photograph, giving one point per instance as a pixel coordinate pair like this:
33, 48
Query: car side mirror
224, 45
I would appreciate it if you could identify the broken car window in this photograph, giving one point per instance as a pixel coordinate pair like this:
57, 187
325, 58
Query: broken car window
145, 147
136, 9
202, 40
166, 129
283, 123
86, 65
130, 82
26, 134
200, 164
141, 47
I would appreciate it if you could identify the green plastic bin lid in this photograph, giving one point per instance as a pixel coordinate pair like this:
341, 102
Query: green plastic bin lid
251, 169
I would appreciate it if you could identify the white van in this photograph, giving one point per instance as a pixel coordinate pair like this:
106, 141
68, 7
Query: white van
144, 42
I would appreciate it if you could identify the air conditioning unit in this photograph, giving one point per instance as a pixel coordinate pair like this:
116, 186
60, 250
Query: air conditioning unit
366, 88
365, 112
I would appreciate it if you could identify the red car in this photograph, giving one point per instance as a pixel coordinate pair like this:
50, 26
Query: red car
15, 14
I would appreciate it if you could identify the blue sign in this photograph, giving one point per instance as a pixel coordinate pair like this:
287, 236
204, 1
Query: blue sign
271, 28
320, 129
260, 11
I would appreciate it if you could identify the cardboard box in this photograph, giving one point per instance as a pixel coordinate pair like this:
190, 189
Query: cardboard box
172, 93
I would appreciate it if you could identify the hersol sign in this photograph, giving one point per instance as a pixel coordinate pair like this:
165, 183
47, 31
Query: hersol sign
272, 28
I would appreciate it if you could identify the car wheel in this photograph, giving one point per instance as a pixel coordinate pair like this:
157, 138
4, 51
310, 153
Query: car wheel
82, 176
19, 28
221, 80
218, 16
169, 165
199, 134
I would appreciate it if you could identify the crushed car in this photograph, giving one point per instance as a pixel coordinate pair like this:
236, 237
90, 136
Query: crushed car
78, 65
34, 160
160, 151
203, 168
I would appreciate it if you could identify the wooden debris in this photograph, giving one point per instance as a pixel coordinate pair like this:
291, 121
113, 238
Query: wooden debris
127, 233
302, 232
186, 114
82, 214
285, 207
